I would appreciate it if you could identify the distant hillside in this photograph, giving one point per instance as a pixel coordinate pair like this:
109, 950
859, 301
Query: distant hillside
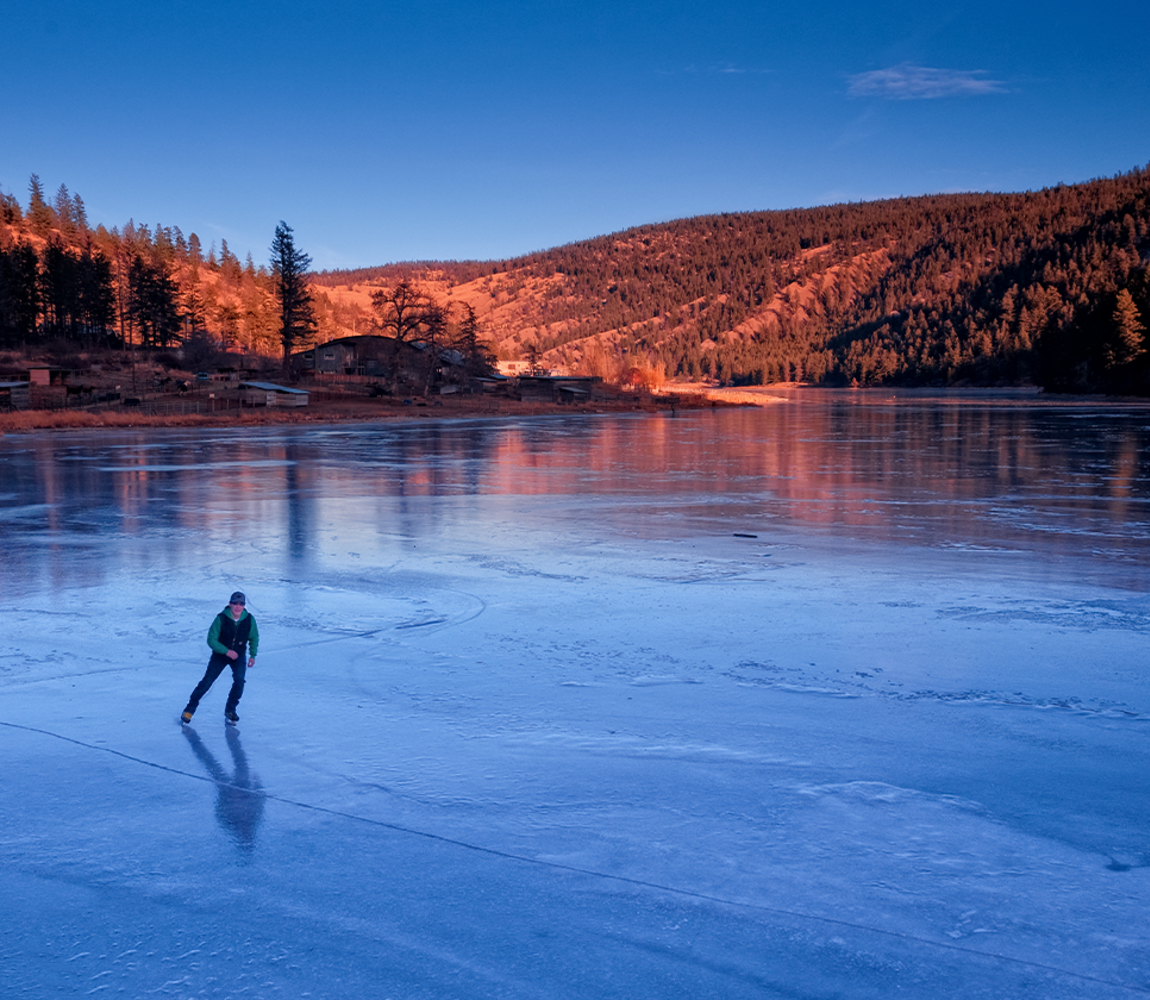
1048, 287
980, 289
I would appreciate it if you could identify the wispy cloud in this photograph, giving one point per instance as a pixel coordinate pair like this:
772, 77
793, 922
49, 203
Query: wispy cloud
721, 69
911, 83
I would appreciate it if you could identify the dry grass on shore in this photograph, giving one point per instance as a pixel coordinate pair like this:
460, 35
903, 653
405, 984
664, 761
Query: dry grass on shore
35, 420
359, 410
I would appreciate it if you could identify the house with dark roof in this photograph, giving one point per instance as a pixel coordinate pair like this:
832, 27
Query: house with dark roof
361, 355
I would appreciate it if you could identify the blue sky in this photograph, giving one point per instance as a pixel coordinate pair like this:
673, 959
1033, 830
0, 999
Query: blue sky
442, 129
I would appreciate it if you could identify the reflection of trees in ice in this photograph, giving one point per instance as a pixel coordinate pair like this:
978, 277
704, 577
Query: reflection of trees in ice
240, 798
881, 466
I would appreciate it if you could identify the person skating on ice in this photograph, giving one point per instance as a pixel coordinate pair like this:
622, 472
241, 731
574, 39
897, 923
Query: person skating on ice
232, 631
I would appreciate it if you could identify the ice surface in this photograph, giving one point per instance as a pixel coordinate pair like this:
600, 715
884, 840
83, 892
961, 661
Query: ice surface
533, 717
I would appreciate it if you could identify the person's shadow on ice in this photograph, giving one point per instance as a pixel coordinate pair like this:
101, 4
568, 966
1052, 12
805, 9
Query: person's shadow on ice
240, 797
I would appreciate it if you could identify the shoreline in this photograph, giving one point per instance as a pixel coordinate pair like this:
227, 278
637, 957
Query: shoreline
693, 396
349, 410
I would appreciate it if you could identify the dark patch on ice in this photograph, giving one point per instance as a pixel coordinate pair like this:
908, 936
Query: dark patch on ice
265, 463
757, 665
741, 674
1018, 700
433, 621
512, 568
1087, 616
650, 680
975, 547
792, 687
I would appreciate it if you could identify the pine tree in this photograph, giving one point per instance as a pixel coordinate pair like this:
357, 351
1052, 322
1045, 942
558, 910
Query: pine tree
478, 358
19, 294
229, 264
194, 309
64, 210
152, 304
1128, 332
58, 289
79, 214
39, 213
10, 211
96, 302
289, 277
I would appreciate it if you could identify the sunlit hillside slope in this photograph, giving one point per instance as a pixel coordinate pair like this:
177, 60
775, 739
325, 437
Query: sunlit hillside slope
1047, 286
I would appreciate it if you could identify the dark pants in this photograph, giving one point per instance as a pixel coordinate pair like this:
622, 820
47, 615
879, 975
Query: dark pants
216, 667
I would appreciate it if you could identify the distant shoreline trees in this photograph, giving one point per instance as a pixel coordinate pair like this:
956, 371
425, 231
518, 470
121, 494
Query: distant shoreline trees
63, 282
1049, 287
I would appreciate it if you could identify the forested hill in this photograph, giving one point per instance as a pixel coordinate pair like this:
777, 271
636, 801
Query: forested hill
1048, 287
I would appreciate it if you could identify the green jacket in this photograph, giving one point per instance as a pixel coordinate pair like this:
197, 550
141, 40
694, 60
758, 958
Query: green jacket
217, 624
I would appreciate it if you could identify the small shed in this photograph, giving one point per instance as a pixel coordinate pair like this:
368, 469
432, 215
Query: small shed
491, 384
43, 375
558, 388
15, 395
270, 394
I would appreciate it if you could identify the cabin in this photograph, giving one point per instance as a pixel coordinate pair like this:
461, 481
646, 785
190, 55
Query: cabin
363, 355
369, 358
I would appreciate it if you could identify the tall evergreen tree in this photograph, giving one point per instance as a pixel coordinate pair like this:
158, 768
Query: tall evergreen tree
75, 292
39, 213
64, 209
1128, 331
478, 358
96, 301
10, 211
289, 277
79, 214
230, 269
19, 294
195, 313
59, 289
152, 304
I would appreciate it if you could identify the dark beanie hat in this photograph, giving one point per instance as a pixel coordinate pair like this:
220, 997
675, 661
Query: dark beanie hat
238, 598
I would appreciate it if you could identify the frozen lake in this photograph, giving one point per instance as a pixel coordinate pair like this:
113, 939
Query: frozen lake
814, 700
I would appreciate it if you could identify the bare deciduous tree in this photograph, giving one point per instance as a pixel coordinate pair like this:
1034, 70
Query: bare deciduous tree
403, 313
